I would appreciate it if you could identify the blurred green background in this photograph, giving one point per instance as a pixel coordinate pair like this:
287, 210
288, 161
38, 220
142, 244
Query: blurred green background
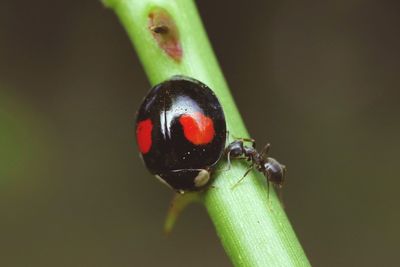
319, 80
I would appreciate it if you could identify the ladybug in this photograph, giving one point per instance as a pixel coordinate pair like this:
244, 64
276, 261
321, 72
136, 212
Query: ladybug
181, 133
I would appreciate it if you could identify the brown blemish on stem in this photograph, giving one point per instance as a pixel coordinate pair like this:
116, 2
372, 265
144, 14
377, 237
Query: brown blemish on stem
165, 32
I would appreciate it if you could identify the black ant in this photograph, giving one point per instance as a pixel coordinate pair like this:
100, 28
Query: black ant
270, 167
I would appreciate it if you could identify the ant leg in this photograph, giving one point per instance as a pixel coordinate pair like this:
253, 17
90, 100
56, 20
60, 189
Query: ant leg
245, 174
228, 155
265, 150
281, 197
229, 160
229, 163
250, 140
227, 141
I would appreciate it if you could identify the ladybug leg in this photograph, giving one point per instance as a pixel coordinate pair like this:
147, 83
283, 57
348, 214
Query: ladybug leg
245, 174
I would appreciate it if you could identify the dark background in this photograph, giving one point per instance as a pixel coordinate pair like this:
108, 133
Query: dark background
317, 79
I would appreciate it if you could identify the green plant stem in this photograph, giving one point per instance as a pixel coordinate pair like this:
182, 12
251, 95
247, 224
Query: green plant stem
253, 227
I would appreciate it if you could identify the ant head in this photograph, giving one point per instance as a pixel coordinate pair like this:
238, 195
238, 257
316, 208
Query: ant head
235, 149
275, 171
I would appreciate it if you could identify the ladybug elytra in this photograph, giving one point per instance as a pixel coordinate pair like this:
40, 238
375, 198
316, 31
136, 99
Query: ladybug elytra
181, 132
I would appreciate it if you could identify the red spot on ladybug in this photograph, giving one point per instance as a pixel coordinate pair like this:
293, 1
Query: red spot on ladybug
197, 128
143, 135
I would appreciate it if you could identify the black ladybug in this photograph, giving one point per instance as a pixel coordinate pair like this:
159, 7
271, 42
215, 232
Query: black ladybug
181, 132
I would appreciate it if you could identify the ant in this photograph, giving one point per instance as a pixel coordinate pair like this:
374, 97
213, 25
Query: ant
269, 167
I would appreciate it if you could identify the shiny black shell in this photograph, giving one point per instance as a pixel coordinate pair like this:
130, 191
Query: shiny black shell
181, 132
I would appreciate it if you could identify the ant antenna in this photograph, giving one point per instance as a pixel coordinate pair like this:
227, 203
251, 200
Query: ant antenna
265, 150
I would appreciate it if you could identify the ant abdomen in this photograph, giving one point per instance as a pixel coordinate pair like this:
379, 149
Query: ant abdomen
274, 171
